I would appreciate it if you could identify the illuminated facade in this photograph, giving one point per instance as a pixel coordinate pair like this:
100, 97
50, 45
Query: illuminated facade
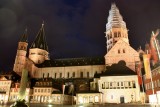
39, 64
119, 89
86, 98
14, 92
155, 88
118, 49
5, 85
152, 67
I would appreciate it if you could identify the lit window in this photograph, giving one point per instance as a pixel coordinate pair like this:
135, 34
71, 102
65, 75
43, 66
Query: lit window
96, 99
91, 99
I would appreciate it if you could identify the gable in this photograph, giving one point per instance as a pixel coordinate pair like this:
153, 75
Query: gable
122, 48
3, 78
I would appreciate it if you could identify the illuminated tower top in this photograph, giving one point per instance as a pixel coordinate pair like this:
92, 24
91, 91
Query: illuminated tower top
115, 19
115, 28
40, 41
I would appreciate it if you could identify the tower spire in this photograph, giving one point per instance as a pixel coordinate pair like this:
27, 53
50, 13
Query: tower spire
115, 18
40, 41
115, 27
24, 37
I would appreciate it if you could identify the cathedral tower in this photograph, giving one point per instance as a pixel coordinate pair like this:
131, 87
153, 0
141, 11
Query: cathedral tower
38, 52
20, 59
115, 28
118, 47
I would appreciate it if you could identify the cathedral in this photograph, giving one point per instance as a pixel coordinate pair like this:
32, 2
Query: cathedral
118, 51
39, 64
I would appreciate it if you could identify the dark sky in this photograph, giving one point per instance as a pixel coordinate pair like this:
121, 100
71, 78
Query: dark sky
74, 28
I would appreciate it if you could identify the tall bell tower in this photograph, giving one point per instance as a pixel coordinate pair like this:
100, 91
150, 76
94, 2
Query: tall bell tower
20, 59
38, 51
115, 28
118, 47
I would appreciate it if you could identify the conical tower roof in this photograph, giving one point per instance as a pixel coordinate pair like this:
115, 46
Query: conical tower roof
24, 37
115, 19
40, 41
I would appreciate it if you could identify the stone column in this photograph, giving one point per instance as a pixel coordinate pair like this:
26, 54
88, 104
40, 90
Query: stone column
23, 84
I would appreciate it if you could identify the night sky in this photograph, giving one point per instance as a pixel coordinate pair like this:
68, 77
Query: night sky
73, 28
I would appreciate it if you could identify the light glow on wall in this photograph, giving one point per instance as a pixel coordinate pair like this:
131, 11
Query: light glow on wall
49, 100
80, 100
153, 99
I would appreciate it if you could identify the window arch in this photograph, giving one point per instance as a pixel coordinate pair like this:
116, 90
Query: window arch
124, 51
119, 51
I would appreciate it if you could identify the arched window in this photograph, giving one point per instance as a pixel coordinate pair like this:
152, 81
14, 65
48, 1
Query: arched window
119, 51
115, 34
90, 99
60, 75
96, 99
134, 85
87, 74
55, 75
123, 50
119, 34
73, 74
81, 75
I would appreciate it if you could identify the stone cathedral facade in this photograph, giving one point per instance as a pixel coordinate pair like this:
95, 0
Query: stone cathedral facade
118, 49
39, 64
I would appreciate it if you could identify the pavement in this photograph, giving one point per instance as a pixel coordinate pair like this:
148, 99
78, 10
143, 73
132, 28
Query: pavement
90, 105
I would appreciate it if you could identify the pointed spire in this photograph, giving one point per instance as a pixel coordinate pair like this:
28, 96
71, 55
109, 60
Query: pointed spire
115, 19
40, 41
24, 37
